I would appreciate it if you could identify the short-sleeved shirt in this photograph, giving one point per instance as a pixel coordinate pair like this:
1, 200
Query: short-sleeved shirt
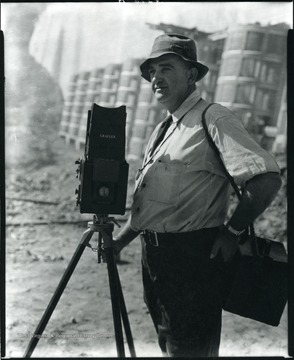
183, 186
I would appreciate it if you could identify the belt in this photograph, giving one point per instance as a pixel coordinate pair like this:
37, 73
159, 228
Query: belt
166, 239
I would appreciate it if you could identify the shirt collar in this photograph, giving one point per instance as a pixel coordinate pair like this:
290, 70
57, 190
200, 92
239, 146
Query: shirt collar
186, 105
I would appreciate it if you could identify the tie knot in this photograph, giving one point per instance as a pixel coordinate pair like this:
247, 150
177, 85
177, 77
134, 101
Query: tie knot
167, 122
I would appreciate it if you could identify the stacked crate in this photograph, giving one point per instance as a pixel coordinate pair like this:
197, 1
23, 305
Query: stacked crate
94, 87
78, 106
109, 85
93, 93
84, 89
73, 110
67, 108
127, 94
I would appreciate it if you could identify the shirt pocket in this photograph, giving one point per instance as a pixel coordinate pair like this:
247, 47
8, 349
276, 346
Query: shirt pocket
164, 185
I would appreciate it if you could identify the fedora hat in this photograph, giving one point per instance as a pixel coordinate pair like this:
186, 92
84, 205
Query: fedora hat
174, 44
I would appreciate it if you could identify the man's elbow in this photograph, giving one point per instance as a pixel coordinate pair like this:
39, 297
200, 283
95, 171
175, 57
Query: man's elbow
268, 186
276, 181
264, 188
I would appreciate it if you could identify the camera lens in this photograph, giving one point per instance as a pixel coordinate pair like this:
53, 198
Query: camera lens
104, 191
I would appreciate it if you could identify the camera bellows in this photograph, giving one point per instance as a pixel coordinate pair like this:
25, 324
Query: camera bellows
104, 172
106, 133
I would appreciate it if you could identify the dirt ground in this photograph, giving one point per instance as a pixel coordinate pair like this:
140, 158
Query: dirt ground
41, 239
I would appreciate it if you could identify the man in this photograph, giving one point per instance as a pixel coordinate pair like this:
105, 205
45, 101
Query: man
181, 200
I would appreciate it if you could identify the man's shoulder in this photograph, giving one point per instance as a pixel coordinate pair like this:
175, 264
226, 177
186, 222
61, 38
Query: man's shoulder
217, 111
221, 116
214, 111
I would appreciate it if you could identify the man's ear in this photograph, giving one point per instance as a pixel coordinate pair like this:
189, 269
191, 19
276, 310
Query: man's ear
193, 72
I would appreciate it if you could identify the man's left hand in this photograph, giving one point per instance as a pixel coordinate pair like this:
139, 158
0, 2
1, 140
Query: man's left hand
226, 244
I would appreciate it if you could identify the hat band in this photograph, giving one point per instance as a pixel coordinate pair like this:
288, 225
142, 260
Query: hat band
182, 50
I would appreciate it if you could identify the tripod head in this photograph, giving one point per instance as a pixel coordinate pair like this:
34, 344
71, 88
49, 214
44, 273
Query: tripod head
104, 225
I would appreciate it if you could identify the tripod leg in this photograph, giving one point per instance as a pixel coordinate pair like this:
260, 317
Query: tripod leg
114, 293
125, 318
58, 292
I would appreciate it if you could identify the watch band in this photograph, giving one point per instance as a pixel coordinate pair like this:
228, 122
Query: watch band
234, 231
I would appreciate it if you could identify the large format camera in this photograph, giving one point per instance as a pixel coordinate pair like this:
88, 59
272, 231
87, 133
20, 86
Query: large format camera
103, 173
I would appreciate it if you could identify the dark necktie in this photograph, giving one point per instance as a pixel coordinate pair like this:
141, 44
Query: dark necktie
162, 131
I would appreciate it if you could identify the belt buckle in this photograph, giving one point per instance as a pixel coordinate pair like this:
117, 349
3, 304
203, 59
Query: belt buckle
153, 236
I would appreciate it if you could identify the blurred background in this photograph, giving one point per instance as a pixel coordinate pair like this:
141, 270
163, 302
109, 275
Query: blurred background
62, 57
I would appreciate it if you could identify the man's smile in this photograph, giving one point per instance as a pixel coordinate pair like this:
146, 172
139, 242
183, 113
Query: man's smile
160, 89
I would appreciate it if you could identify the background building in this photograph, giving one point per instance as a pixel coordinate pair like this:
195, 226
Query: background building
247, 74
253, 74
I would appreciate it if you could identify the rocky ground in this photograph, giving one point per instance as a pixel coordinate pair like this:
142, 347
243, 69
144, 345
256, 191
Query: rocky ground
44, 228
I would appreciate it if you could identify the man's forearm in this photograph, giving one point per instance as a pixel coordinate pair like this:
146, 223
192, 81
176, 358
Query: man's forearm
258, 194
127, 234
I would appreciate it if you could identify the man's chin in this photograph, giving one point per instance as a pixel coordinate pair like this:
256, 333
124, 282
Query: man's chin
160, 97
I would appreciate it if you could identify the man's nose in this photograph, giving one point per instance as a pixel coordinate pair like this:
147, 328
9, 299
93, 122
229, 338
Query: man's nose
156, 76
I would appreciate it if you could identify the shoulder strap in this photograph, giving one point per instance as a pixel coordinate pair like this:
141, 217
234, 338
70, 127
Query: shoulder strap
216, 150
230, 178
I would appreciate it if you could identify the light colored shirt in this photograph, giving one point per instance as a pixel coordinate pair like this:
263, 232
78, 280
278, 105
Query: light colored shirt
183, 187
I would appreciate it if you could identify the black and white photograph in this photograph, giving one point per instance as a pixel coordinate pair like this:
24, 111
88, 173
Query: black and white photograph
145, 179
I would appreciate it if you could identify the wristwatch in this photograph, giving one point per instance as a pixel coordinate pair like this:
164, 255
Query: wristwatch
233, 231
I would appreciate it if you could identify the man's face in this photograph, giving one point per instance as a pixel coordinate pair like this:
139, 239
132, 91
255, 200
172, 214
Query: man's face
171, 80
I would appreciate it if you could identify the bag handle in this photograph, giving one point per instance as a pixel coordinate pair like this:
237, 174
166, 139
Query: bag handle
254, 245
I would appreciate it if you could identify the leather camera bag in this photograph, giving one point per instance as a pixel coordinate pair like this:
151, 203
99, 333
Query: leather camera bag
257, 284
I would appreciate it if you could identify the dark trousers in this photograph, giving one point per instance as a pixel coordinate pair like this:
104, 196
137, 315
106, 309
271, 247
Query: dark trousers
183, 290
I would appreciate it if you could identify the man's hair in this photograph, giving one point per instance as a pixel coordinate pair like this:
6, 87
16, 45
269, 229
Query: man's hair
190, 66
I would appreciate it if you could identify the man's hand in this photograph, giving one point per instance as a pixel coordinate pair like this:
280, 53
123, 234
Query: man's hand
125, 236
226, 243
118, 245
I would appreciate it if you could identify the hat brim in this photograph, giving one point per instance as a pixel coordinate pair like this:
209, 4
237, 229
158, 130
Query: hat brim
202, 69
